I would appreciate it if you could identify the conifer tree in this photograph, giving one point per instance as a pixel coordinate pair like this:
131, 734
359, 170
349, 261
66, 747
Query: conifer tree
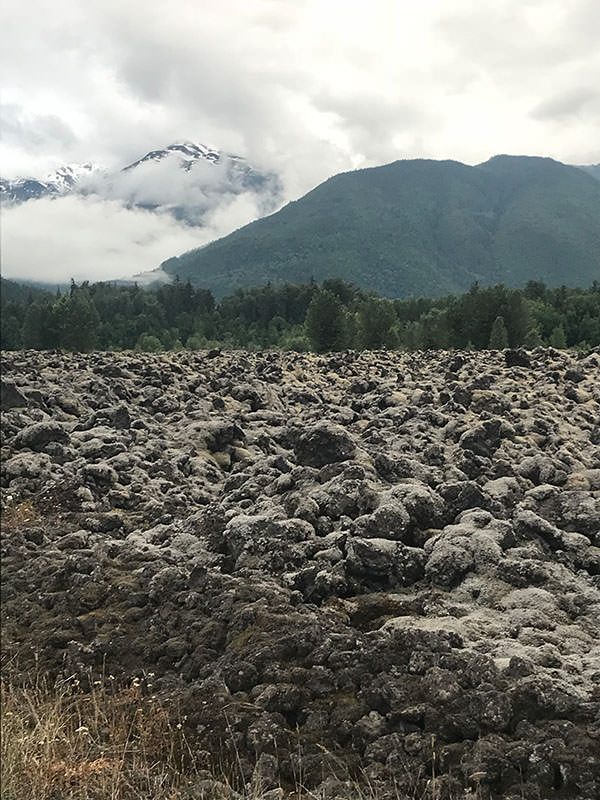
498, 335
32, 327
557, 338
326, 323
78, 320
533, 338
377, 318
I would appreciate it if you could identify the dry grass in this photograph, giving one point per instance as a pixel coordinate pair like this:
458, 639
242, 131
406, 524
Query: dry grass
60, 743
19, 515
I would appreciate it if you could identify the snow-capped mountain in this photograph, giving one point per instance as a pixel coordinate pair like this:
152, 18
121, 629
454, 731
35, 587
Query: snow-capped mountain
188, 153
185, 179
189, 156
62, 181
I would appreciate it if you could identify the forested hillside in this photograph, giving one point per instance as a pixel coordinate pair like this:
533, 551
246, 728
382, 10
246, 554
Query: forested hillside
419, 227
335, 316
21, 293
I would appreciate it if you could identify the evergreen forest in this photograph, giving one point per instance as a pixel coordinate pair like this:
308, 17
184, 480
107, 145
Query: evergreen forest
333, 316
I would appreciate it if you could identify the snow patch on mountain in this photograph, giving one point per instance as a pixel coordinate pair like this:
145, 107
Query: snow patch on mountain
62, 181
185, 179
188, 153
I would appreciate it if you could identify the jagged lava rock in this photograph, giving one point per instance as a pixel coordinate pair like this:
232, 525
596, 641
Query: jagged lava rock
357, 565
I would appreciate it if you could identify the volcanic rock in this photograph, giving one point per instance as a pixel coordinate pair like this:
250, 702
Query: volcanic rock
379, 571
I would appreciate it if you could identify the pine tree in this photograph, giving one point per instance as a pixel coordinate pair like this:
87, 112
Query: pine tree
557, 338
32, 327
326, 323
80, 321
533, 338
498, 335
376, 319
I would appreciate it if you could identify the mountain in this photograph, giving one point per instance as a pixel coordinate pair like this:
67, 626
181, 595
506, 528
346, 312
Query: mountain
592, 169
20, 293
63, 181
419, 227
185, 179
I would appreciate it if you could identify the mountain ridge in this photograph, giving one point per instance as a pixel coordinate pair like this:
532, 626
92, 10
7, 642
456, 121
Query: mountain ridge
419, 226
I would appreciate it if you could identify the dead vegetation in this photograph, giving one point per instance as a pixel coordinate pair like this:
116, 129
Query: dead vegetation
64, 741
61, 742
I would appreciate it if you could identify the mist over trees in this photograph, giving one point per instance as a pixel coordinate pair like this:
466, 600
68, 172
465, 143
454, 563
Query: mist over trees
334, 316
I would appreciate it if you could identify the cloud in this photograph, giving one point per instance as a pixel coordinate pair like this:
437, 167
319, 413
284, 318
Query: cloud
189, 193
568, 104
54, 240
308, 88
37, 132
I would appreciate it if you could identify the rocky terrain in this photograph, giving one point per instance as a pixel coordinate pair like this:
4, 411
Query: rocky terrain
376, 570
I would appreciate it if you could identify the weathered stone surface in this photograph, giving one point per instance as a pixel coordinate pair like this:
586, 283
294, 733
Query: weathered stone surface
323, 444
348, 567
517, 358
11, 397
37, 435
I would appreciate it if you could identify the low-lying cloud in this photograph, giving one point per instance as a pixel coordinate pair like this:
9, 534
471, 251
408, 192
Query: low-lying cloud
192, 193
54, 240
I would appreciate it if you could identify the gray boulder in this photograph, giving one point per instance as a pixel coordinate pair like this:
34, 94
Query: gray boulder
11, 397
39, 434
323, 443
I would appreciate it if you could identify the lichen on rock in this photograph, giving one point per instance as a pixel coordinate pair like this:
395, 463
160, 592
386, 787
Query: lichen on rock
387, 561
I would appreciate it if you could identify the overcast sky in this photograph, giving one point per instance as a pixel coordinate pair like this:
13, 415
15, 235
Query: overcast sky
305, 87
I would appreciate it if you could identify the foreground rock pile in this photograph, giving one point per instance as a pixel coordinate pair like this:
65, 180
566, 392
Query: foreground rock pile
379, 569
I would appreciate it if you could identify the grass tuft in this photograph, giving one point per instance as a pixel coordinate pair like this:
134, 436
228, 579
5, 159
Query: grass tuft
61, 742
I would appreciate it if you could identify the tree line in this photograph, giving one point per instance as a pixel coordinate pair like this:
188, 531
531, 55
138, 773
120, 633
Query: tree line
333, 316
